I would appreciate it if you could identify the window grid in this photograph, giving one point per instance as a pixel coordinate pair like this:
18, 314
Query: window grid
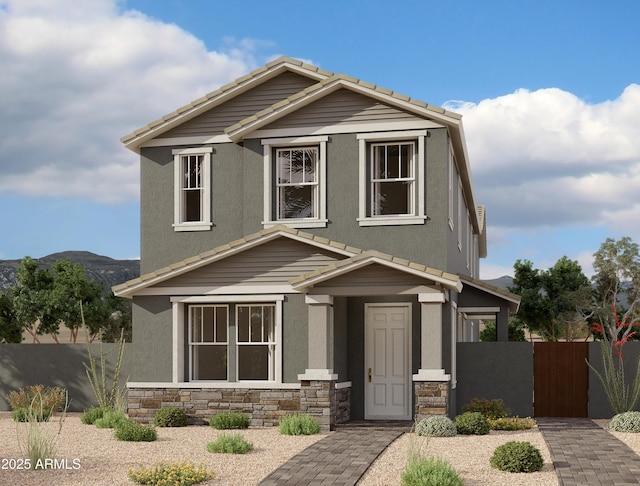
297, 182
192, 188
386, 172
255, 332
208, 329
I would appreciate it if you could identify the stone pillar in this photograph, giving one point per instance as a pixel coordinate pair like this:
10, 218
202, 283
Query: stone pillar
318, 399
432, 398
317, 383
431, 384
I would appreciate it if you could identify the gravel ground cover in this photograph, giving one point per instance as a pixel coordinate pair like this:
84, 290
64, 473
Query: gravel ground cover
91, 456
468, 454
103, 460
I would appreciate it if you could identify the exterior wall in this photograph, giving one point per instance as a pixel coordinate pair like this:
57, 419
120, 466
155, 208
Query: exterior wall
496, 370
295, 346
264, 407
152, 337
61, 365
237, 204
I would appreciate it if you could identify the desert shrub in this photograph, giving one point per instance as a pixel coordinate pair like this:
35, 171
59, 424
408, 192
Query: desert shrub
229, 420
472, 423
131, 431
422, 471
26, 414
517, 457
169, 474
170, 417
436, 426
90, 415
511, 423
230, 444
492, 409
46, 400
110, 419
625, 422
299, 424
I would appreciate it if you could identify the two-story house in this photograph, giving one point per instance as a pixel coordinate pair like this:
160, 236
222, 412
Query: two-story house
309, 241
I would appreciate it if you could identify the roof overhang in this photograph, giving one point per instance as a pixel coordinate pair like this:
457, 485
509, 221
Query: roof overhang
513, 300
370, 257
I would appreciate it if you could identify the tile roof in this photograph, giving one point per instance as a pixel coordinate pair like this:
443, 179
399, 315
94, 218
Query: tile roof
125, 289
206, 100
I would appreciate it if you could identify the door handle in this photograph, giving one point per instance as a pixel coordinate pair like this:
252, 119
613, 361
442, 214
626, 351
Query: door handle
369, 375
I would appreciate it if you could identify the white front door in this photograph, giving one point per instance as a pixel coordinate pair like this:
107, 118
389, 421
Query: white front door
387, 367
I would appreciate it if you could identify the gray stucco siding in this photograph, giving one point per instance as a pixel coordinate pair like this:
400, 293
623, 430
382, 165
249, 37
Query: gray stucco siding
152, 339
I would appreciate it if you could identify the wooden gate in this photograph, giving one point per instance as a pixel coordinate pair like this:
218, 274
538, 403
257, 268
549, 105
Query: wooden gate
560, 380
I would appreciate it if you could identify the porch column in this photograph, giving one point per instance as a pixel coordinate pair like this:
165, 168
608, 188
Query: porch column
431, 384
317, 383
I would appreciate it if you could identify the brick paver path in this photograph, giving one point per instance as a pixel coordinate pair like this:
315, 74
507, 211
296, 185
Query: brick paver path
340, 459
585, 454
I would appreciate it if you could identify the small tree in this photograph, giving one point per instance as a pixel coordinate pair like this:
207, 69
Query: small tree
31, 300
554, 301
10, 329
617, 279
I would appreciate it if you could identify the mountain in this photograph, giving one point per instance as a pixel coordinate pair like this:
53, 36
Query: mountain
97, 267
503, 282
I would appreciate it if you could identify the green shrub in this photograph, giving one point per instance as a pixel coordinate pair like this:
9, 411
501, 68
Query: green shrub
134, 432
511, 423
517, 457
90, 415
299, 424
170, 417
422, 471
472, 423
230, 444
436, 426
625, 422
492, 409
46, 400
169, 474
110, 419
27, 414
229, 420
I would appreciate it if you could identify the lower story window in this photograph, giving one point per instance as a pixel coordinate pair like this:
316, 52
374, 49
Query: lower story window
232, 342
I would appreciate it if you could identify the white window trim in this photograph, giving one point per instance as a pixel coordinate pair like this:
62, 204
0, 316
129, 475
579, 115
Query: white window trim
460, 206
276, 342
179, 322
419, 171
206, 222
191, 343
269, 186
452, 173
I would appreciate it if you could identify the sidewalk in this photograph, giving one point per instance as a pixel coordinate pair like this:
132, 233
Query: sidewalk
339, 459
585, 454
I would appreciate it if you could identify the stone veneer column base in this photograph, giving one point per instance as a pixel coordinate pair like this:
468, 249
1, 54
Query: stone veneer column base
318, 399
432, 398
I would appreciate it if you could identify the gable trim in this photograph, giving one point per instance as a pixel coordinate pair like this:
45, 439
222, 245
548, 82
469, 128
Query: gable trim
128, 289
304, 282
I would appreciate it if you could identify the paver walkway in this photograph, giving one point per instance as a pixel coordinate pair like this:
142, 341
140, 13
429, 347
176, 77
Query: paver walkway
585, 454
340, 459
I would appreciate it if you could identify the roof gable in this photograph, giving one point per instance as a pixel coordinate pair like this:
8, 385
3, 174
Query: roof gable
372, 257
178, 269
215, 98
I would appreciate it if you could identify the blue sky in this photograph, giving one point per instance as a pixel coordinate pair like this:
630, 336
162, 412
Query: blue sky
548, 91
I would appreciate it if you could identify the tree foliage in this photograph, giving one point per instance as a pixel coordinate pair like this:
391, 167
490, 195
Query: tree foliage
554, 301
490, 332
44, 299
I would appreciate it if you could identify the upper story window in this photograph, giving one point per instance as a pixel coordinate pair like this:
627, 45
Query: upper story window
297, 182
192, 189
392, 182
295, 191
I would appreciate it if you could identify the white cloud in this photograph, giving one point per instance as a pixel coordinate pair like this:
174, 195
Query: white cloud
546, 158
75, 80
